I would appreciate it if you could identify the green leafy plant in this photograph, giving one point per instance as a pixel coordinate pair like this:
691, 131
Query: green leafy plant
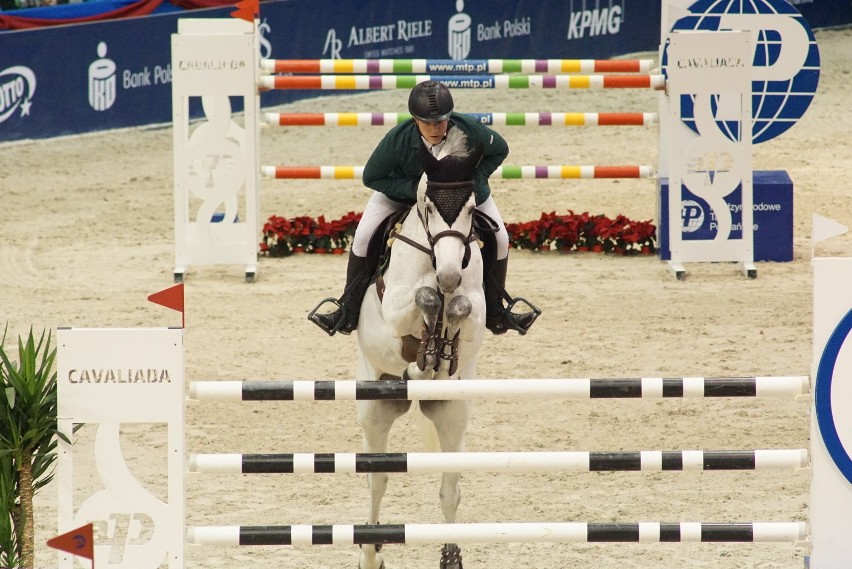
28, 441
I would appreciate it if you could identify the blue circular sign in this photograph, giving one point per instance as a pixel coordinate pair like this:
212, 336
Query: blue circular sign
822, 397
781, 96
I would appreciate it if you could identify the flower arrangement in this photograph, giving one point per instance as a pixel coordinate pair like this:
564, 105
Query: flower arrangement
568, 232
283, 237
584, 232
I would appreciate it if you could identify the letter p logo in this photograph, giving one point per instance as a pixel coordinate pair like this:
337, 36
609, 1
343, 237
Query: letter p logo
693, 216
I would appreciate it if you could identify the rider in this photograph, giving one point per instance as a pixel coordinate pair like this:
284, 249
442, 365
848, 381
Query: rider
394, 172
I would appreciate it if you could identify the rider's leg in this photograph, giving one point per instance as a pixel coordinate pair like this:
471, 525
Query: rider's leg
358, 271
498, 318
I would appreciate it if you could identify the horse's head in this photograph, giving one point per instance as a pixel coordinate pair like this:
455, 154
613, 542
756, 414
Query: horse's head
445, 204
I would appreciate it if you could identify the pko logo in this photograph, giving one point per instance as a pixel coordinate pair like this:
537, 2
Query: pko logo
590, 22
786, 61
17, 85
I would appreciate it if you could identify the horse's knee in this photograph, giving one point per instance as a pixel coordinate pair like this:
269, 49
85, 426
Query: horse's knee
458, 309
427, 300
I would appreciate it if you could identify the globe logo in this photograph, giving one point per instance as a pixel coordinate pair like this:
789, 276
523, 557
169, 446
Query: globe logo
692, 214
786, 61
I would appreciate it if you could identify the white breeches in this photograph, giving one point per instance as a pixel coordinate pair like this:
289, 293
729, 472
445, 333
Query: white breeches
380, 206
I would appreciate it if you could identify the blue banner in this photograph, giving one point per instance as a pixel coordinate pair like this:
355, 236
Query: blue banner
112, 74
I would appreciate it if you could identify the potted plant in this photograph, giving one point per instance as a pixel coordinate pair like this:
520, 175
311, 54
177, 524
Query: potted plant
28, 440
320, 236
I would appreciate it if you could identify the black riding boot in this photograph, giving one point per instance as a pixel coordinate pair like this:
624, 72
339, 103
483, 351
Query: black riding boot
498, 318
345, 318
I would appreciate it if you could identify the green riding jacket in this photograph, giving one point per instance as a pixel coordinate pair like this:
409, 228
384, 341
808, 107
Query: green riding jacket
394, 168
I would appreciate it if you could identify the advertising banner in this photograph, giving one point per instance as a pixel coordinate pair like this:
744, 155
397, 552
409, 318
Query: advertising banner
89, 77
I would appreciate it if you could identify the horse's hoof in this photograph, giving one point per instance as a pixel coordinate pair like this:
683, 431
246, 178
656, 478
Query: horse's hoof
451, 557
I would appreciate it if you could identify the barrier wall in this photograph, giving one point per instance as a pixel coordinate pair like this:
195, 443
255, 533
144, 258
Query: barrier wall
98, 76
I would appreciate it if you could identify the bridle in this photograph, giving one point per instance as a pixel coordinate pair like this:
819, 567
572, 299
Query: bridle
435, 342
433, 239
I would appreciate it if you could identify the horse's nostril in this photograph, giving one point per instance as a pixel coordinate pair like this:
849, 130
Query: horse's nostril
449, 281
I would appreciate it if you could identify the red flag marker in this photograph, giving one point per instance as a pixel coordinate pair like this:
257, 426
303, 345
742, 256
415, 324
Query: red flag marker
78, 542
171, 297
248, 10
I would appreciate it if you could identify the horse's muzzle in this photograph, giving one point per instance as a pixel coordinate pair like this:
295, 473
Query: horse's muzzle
449, 280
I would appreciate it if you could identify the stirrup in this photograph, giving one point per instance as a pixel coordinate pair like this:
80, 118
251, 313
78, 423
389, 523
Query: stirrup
508, 314
314, 317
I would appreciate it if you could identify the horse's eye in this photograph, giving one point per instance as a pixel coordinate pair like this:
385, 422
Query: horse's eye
470, 208
430, 208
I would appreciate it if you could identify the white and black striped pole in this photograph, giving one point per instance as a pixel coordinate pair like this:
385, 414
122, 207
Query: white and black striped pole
525, 532
433, 462
620, 388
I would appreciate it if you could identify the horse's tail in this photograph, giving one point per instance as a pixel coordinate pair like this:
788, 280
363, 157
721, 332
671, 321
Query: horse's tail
428, 434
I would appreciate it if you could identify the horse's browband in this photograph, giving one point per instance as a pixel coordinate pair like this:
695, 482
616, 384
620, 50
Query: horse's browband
450, 185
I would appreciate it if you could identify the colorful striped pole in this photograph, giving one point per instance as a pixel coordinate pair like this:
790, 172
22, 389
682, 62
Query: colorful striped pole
622, 388
456, 66
493, 119
435, 462
523, 532
375, 82
504, 172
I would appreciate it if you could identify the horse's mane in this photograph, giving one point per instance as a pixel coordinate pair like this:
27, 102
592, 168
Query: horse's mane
456, 143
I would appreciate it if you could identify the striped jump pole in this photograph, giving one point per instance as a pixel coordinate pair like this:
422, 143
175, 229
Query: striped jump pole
456, 65
435, 462
523, 532
622, 388
376, 82
492, 119
509, 172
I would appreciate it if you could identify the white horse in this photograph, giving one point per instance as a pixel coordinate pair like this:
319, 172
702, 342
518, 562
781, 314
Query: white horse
433, 292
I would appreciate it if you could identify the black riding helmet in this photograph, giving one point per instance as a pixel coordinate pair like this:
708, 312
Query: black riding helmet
430, 101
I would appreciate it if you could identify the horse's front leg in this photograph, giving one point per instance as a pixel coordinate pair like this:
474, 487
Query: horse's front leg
450, 419
429, 306
376, 419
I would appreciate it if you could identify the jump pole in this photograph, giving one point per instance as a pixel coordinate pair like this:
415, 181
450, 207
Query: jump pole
491, 119
505, 172
437, 462
530, 532
456, 66
583, 388
374, 82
